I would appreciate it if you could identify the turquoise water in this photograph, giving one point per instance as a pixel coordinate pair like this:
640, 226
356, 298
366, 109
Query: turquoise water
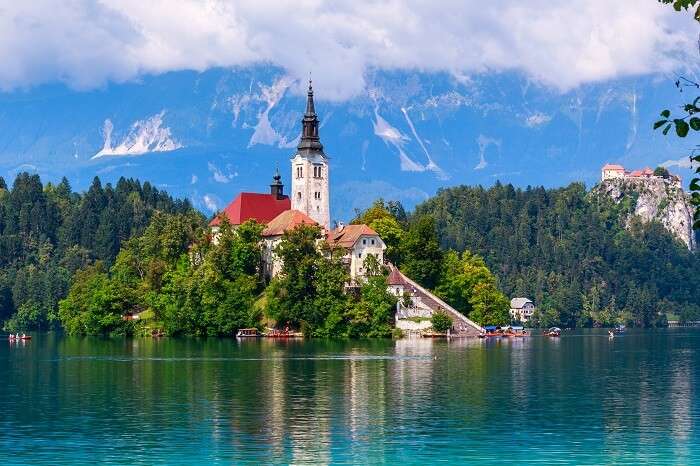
582, 399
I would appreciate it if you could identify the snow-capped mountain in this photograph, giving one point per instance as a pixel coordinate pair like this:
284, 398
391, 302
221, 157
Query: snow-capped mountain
210, 135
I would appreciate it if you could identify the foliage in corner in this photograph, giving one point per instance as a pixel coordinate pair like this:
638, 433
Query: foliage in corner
688, 118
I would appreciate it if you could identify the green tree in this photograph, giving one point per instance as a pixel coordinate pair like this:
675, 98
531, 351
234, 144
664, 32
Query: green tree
422, 256
441, 322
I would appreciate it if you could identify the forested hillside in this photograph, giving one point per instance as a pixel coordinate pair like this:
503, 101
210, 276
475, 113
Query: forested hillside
48, 232
570, 251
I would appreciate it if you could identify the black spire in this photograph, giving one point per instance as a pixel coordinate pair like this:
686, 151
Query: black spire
277, 188
310, 143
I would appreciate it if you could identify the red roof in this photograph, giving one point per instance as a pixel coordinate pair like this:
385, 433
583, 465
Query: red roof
347, 236
395, 277
253, 206
287, 220
611, 166
635, 173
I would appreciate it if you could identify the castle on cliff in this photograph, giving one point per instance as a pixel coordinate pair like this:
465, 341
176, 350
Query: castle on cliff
616, 172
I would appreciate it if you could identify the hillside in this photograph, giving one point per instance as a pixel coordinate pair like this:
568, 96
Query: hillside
48, 232
655, 199
581, 257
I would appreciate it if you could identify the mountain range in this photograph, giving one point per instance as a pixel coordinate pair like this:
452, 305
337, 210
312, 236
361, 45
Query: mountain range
209, 135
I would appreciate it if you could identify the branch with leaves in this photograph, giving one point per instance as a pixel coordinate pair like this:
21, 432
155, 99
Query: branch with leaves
689, 119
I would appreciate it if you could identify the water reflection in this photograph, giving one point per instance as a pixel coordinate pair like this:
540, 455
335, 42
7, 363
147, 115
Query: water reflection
577, 399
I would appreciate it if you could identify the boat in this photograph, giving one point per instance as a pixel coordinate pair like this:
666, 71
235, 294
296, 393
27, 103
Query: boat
490, 331
286, 333
619, 329
18, 338
248, 333
553, 332
514, 332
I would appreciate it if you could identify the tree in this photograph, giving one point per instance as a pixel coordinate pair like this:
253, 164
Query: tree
688, 118
422, 256
441, 322
661, 172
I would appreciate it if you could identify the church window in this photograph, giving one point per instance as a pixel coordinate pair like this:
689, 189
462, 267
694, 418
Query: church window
299, 195
364, 241
372, 242
300, 172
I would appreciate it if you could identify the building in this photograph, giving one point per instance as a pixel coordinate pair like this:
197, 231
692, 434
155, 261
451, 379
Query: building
611, 171
254, 206
359, 242
308, 203
521, 309
272, 235
310, 174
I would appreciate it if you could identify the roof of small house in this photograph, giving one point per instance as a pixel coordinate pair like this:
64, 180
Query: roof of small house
287, 220
635, 173
347, 235
395, 277
519, 303
253, 206
613, 166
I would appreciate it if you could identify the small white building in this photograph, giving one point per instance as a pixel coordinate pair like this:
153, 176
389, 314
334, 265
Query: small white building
521, 309
359, 241
611, 171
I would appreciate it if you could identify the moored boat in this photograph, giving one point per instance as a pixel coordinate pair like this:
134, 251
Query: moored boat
619, 329
248, 333
553, 332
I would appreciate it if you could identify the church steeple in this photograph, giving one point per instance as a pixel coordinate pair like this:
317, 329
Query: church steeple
310, 142
277, 188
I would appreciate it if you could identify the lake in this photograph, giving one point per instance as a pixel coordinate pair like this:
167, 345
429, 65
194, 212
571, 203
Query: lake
580, 399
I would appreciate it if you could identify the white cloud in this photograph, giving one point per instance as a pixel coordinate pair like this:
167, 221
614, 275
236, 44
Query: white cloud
683, 162
484, 142
537, 119
210, 202
218, 175
555, 42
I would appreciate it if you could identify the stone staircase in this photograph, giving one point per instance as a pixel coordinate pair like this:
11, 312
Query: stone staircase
426, 302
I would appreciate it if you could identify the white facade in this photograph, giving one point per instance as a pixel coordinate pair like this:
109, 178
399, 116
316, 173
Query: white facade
310, 193
521, 309
366, 245
612, 173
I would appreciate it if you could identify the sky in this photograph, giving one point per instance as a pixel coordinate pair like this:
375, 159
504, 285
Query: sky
560, 44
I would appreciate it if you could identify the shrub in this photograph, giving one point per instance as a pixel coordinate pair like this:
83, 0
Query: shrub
441, 322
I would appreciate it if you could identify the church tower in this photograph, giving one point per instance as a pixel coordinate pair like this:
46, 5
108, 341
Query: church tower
310, 170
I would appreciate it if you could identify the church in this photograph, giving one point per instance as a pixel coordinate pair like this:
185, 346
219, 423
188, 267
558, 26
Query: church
308, 203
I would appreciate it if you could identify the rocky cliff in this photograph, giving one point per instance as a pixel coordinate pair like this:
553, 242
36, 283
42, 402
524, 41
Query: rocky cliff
654, 199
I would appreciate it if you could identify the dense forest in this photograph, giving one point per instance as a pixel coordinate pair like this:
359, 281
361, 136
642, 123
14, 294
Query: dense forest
570, 251
84, 261
48, 232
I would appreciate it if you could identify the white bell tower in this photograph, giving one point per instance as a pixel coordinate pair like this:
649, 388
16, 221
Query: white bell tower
310, 173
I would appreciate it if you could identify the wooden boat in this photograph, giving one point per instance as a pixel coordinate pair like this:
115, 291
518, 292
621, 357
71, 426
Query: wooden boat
248, 333
514, 332
286, 333
553, 332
